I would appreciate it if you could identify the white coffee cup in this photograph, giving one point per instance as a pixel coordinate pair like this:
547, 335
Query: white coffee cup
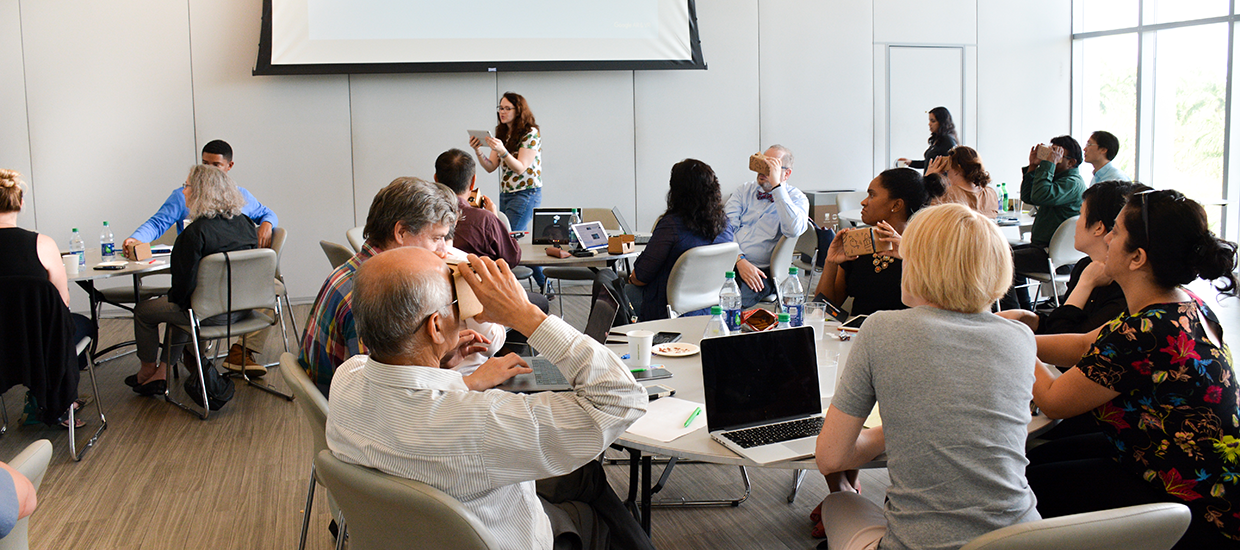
640, 342
71, 264
901, 164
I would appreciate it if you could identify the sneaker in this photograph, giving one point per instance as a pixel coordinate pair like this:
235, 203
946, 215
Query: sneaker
239, 358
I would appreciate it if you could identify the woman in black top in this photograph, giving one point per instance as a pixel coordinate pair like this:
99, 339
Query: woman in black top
215, 206
942, 138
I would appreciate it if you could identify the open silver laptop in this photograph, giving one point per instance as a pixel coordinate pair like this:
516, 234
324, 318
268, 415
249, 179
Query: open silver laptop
638, 238
547, 376
762, 398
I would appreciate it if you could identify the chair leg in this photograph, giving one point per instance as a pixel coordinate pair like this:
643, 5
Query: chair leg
305, 521
103, 420
342, 533
202, 381
797, 477
4, 411
685, 503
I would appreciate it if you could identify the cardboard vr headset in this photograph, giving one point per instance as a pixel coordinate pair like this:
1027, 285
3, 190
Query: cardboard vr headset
466, 301
859, 242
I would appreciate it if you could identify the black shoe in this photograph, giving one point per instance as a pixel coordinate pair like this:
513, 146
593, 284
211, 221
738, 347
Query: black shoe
131, 380
154, 387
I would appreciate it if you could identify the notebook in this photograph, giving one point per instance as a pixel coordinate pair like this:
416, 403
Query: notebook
547, 376
638, 238
761, 388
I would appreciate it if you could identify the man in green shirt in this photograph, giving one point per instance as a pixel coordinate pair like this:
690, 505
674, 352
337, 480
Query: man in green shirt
1052, 183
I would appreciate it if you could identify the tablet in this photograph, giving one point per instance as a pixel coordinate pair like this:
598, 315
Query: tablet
482, 135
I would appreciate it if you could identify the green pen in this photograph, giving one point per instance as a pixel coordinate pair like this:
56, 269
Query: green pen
638, 370
696, 412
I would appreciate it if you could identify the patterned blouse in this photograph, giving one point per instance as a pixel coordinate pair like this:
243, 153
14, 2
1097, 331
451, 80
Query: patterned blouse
1175, 421
511, 182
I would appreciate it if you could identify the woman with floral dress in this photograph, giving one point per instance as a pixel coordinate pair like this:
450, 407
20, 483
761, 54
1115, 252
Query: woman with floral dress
1158, 381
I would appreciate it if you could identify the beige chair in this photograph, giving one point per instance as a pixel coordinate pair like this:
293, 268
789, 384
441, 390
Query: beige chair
336, 254
697, 277
278, 236
602, 215
806, 247
1144, 527
314, 407
356, 240
521, 272
230, 282
32, 463
1062, 253
384, 511
781, 260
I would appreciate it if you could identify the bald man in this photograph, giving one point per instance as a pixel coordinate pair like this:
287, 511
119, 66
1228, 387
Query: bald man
403, 410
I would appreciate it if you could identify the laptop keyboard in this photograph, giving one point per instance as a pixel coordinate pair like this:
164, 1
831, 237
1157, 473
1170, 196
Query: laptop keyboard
775, 433
641, 239
545, 372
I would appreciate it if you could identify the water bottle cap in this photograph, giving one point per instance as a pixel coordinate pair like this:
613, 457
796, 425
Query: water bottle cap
105, 224
792, 270
783, 317
729, 275
75, 230
716, 310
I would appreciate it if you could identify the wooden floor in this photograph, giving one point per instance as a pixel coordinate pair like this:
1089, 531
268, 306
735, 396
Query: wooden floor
160, 478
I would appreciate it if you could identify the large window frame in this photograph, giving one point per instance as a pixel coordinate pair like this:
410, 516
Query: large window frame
1229, 224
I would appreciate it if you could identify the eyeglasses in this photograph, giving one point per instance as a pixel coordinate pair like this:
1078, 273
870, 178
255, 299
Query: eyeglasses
418, 327
502, 109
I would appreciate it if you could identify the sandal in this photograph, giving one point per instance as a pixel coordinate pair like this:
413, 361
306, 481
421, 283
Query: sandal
77, 423
816, 515
818, 532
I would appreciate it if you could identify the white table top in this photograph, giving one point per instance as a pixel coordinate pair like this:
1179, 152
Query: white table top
687, 381
93, 258
536, 255
1023, 219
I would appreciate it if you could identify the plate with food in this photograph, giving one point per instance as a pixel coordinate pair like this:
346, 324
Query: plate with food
676, 349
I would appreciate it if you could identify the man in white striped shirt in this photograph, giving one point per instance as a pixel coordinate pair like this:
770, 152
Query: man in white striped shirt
398, 411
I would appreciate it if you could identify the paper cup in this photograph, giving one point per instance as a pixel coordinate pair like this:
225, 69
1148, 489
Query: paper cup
640, 342
71, 264
816, 316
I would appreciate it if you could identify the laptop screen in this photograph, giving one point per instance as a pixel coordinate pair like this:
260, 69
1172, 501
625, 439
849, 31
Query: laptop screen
602, 315
760, 377
552, 226
591, 235
624, 225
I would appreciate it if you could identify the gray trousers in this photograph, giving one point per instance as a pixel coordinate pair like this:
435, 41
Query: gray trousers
148, 315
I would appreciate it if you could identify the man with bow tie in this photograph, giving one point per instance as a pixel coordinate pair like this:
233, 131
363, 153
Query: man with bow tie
760, 212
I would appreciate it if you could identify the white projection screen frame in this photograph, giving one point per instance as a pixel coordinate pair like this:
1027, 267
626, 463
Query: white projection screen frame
410, 36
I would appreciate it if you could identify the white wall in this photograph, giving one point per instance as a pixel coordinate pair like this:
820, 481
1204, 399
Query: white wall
105, 106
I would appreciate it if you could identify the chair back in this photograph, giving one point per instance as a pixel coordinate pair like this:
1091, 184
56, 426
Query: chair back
503, 218
336, 254
1062, 250
252, 274
32, 463
356, 240
603, 215
807, 246
697, 276
308, 397
384, 511
278, 236
1144, 527
850, 200
37, 347
781, 259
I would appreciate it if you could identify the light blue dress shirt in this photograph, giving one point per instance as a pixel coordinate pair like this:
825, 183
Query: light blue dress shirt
1109, 172
174, 211
758, 224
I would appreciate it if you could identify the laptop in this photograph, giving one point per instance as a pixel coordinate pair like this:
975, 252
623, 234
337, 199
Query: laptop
762, 399
547, 376
552, 225
638, 238
590, 235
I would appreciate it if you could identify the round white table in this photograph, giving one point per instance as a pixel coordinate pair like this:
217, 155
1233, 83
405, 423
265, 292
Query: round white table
535, 255
87, 275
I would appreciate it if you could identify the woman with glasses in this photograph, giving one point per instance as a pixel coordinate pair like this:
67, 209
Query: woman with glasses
1158, 380
516, 150
942, 138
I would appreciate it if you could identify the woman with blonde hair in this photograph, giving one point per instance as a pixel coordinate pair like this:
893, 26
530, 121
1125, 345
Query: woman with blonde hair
968, 181
956, 264
214, 204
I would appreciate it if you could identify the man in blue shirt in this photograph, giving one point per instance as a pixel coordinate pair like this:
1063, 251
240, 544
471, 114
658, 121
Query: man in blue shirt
760, 212
217, 153
1099, 151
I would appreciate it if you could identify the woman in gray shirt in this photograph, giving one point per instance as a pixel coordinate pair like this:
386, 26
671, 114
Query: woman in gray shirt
954, 384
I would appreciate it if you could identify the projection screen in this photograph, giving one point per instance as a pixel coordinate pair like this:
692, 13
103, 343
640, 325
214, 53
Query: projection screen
391, 36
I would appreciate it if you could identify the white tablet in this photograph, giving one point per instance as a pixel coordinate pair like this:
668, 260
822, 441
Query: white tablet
482, 135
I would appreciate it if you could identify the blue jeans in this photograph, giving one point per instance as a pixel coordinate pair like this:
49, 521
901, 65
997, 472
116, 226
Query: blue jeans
519, 207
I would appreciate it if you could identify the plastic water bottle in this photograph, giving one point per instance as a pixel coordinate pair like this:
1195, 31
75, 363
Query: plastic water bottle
78, 247
106, 244
730, 301
783, 321
794, 298
1003, 197
715, 326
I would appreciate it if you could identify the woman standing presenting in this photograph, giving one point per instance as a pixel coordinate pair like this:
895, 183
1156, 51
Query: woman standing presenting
1159, 381
516, 150
942, 138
